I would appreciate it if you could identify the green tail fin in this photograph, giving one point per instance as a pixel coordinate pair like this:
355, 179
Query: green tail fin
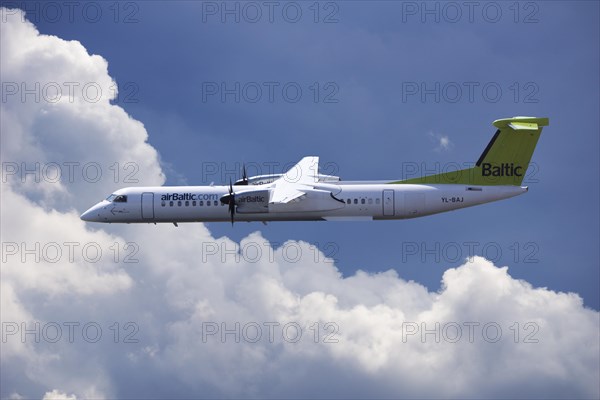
505, 159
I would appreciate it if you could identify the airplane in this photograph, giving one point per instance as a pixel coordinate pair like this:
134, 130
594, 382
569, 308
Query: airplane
303, 194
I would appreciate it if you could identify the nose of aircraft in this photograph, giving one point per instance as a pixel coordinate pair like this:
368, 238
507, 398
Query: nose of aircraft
93, 214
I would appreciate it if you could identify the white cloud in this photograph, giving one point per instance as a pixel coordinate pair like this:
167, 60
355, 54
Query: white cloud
58, 123
196, 308
56, 395
442, 142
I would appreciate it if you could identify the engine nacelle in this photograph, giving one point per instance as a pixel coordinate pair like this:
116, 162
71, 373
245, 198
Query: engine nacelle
254, 201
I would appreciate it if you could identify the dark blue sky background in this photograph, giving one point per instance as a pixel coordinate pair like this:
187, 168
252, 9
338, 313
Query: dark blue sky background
544, 56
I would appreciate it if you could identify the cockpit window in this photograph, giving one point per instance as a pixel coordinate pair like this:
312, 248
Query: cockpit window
117, 198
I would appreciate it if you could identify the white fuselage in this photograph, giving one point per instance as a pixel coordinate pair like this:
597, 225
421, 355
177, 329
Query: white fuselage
337, 201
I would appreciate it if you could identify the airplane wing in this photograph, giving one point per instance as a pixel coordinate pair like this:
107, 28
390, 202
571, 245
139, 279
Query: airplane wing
305, 172
294, 183
285, 194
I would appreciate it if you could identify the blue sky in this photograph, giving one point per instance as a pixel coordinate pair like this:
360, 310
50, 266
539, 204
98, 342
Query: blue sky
375, 130
378, 85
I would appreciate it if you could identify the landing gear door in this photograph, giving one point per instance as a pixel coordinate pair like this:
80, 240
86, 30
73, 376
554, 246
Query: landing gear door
147, 205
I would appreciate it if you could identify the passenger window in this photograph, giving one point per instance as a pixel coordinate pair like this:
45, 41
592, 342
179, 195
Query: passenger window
370, 201
208, 203
163, 203
171, 203
355, 201
194, 203
362, 201
179, 203
377, 201
348, 201
201, 203
187, 203
216, 203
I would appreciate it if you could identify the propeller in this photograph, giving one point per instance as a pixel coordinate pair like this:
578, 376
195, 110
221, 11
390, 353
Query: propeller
244, 176
230, 198
231, 201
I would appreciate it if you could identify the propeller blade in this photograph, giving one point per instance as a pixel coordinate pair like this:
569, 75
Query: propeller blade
231, 201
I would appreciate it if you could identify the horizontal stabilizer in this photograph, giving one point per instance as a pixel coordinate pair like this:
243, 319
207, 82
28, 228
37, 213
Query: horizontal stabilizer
521, 123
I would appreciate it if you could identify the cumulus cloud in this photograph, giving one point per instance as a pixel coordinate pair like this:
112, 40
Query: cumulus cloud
176, 312
63, 143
